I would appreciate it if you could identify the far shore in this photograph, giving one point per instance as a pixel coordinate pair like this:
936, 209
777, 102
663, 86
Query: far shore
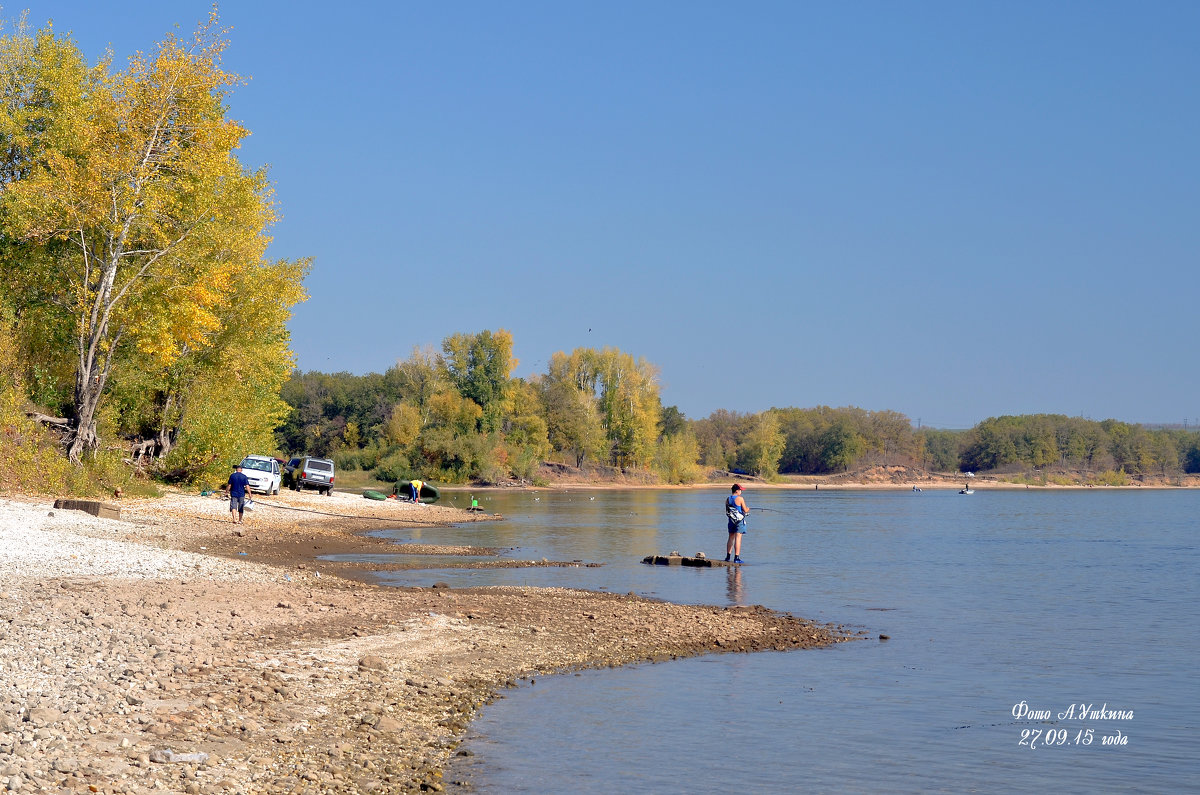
834, 483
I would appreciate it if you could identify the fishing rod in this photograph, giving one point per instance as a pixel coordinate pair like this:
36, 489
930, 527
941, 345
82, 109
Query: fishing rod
782, 513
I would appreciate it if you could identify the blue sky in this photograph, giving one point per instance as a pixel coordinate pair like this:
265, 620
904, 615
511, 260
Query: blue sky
953, 210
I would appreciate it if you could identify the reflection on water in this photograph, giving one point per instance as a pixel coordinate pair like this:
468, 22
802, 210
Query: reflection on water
733, 586
1052, 598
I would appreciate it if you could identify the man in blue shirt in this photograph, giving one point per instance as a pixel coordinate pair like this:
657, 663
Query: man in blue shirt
736, 512
239, 487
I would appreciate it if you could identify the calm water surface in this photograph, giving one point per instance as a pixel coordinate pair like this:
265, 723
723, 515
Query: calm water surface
1050, 598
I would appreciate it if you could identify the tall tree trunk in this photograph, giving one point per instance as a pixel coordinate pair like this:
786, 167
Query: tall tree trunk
87, 397
168, 429
92, 368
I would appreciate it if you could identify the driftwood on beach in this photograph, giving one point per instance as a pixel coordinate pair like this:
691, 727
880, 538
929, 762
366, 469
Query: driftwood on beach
100, 510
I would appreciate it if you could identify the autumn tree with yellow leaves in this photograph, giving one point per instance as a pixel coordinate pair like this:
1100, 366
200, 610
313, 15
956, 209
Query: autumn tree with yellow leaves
128, 225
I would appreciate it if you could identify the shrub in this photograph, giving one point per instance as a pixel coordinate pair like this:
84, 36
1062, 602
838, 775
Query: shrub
393, 468
524, 462
347, 460
675, 458
1110, 478
31, 458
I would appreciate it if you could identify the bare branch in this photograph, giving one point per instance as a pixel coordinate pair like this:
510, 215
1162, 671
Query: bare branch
62, 423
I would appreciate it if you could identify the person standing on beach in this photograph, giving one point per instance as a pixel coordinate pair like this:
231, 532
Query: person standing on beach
239, 487
736, 512
416, 490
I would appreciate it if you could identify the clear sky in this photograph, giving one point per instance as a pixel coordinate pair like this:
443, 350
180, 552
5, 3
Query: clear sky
950, 209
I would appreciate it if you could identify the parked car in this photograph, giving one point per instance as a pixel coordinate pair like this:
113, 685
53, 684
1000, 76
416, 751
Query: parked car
311, 473
288, 469
263, 473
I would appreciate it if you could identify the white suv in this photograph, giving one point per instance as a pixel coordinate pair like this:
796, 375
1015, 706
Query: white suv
263, 473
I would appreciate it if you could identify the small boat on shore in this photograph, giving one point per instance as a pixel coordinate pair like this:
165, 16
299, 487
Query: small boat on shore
403, 491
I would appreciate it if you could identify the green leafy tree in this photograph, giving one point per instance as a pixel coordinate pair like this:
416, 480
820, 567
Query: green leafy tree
941, 449
990, 445
811, 439
350, 436
1081, 443
27, 450
1191, 454
403, 426
479, 366
450, 446
802, 429
229, 414
762, 447
1165, 451
671, 421
123, 195
1127, 446
417, 379
526, 434
630, 406
840, 446
573, 422
719, 435
676, 456
890, 435
250, 351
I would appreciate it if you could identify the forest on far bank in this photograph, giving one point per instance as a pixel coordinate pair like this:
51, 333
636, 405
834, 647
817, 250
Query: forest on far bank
456, 416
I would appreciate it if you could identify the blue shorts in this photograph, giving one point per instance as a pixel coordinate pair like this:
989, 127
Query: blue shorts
237, 504
737, 527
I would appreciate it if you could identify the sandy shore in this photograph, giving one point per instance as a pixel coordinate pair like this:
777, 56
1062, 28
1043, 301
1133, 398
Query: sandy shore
172, 651
877, 478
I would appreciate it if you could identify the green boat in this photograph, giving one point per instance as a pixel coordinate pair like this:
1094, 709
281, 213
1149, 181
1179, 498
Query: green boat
371, 494
429, 493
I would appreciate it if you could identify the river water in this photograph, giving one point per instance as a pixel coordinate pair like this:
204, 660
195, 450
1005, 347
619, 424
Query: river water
1010, 614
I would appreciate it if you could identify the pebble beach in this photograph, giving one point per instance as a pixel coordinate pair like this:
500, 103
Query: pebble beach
172, 651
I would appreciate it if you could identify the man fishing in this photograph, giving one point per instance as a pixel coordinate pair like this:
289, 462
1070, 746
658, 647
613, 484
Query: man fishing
736, 512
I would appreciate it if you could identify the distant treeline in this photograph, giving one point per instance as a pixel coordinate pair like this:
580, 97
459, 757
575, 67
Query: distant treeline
459, 416
1054, 440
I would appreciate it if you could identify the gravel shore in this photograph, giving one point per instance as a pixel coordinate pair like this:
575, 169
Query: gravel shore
173, 651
